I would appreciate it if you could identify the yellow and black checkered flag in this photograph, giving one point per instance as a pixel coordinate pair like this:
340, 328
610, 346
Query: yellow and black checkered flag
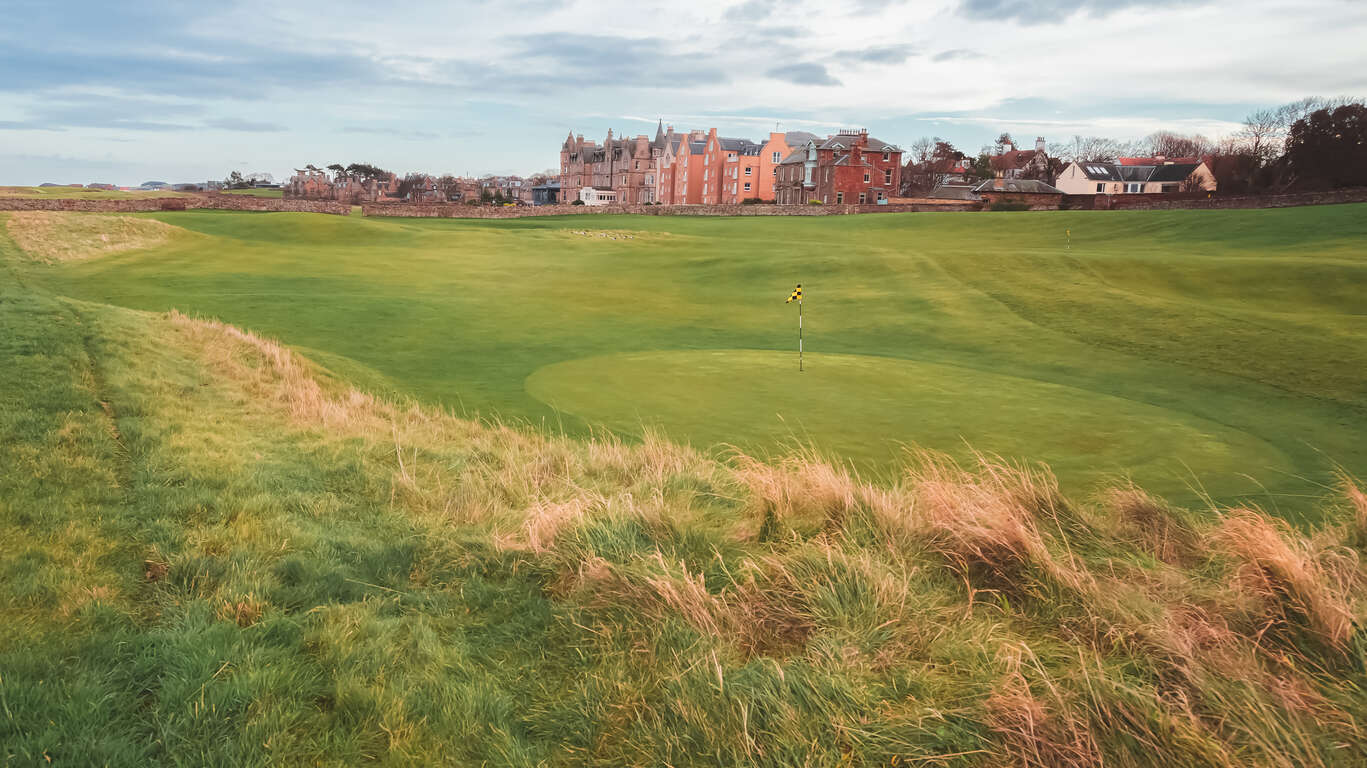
797, 295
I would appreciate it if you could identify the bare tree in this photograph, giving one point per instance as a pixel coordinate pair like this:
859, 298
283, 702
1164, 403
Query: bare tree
1169, 144
1097, 149
449, 186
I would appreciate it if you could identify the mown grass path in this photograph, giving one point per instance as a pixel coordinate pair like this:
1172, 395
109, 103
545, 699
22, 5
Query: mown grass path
1238, 330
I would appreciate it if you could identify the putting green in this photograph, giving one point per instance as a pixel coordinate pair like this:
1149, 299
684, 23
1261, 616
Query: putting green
867, 408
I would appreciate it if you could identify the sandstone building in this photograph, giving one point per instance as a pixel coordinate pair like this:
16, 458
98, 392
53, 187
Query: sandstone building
848, 168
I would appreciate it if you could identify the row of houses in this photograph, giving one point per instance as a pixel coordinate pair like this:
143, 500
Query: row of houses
702, 168
318, 184
1037, 174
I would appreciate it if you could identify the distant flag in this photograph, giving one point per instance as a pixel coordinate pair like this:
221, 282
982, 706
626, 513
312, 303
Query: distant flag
797, 296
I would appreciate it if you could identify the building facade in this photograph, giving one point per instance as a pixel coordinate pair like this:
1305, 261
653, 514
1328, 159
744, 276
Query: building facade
625, 166
845, 169
1158, 177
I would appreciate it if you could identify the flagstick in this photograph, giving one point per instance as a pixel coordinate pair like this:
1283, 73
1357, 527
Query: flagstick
799, 335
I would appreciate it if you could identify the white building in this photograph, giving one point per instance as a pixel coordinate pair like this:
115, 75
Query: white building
597, 196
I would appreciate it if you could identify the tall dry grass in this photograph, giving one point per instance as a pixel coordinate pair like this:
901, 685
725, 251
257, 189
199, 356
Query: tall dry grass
1082, 621
54, 236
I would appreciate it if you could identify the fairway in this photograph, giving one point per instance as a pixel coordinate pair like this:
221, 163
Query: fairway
1202, 353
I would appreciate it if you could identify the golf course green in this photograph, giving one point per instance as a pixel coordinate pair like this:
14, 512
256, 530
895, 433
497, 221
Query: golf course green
1205, 354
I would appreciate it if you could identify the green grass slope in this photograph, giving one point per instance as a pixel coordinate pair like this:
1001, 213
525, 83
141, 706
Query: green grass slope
216, 552
81, 193
1229, 340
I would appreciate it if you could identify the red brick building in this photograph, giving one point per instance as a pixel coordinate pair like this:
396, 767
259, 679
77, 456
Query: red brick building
625, 166
850, 167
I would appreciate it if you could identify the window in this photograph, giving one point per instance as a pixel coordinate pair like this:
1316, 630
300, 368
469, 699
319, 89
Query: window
1100, 188
749, 169
730, 155
638, 165
706, 159
861, 198
866, 177
704, 189
886, 155
1133, 189
776, 159
887, 177
839, 198
747, 186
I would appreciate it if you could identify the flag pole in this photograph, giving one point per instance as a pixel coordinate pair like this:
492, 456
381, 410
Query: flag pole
799, 334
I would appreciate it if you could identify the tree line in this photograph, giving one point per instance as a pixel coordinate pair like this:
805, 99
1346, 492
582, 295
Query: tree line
1310, 144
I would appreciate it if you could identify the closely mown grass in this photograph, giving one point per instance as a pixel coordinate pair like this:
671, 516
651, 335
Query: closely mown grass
274, 193
81, 193
219, 553
1197, 353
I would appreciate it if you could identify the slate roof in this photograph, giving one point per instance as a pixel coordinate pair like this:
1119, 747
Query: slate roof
1016, 158
845, 159
1173, 172
1168, 172
953, 192
1019, 186
737, 145
1100, 171
798, 155
794, 138
846, 140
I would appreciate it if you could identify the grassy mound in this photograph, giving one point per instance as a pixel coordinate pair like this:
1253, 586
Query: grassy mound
220, 553
56, 237
81, 193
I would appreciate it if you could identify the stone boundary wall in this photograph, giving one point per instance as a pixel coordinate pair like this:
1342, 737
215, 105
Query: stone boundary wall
1199, 201
211, 202
458, 211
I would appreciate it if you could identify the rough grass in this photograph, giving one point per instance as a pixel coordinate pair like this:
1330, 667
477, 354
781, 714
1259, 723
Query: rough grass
52, 237
221, 553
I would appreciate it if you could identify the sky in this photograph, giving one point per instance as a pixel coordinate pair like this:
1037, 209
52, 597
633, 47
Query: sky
168, 90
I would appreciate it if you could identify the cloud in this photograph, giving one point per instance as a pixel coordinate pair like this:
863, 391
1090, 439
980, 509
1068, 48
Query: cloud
878, 54
956, 54
583, 60
1052, 11
248, 126
808, 73
750, 10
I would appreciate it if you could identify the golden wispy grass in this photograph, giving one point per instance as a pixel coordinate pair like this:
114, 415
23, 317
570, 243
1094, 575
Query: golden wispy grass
56, 236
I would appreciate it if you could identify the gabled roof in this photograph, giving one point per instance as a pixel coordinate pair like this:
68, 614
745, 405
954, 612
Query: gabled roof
1016, 158
736, 145
794, 138
1160, 160
1100, 171
1173, 171
1020, 186
846, 160
798, 155
953, 192
847, 140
